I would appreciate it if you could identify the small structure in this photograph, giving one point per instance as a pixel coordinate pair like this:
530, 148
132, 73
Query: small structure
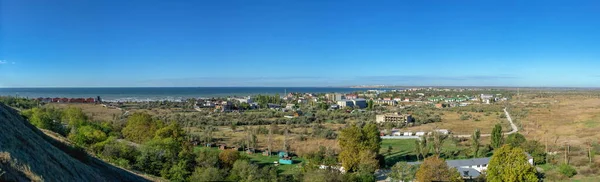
284, 158
222, 147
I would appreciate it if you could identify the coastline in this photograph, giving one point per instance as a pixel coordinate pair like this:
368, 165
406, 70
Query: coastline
145, 94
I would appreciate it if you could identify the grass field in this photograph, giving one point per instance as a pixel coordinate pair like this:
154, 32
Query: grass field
404, 150
451, 121
259, 159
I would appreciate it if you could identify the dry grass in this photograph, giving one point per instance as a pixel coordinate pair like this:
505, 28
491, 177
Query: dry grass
563, 119
451, 121
96, 111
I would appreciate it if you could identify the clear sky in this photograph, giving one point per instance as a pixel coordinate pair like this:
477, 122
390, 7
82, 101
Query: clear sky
299, 43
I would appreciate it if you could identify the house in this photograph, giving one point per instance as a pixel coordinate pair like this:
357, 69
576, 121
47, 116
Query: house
63, 100
335, 96
290, 106
407, 134
302, 101
360, 103
334, 106
90, 100
442, 131
472, 168
385, 102
273, 106
345, 103
420, 133
439, 106
406, 100
384, 118
351, 96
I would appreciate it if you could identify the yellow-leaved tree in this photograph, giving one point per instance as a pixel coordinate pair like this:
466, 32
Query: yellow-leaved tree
509, 164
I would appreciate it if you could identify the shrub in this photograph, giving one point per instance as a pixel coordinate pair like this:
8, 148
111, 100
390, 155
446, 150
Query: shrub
567, 170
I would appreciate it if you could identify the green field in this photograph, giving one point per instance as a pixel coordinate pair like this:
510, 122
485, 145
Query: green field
259, 159
404, 150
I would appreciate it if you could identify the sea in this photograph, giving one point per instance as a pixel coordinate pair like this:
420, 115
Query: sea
142, 94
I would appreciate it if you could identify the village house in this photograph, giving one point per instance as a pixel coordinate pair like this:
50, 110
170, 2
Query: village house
388, 102
396, 117
472, 168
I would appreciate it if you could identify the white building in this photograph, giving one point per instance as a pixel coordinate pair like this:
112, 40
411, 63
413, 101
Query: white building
472, 168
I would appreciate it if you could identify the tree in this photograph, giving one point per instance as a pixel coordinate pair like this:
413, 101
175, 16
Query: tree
515, 140
368, 162
74, 117
243, 171
497, 136
438, 142
435, 169
475, 142
510, 164
270, 141
228, 157
567, 170
402, 171
370, 105
354, 140
141, 127
421, 147
207, 158
208, 174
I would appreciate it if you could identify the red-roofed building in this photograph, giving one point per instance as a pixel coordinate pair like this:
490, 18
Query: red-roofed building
56, 99
63, 100
90, 100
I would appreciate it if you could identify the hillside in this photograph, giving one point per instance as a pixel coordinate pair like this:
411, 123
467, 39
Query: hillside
27, 154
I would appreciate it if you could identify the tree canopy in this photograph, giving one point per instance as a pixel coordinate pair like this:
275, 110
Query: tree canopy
354, 141
435, 169
141, 127
509, 164
497, 136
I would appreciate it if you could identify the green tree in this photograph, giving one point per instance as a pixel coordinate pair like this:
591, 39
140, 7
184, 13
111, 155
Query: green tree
354, 140
497, 136
87, 135
435, 169
567, 170
208, 174
178, 172
243, 171
438, 141
207, 158
421, 147
475, 142
370, 105
228, 157
510, 164
368, 162
45, 118
141, 127
515, 140
402, 171
74, 117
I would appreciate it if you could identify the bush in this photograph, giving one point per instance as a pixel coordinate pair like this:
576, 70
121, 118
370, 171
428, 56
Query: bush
567, 170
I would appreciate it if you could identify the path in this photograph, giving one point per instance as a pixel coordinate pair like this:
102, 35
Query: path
512, 125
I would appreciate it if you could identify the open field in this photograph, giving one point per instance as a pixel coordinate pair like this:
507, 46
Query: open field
451, 120
562, 119
261, 160
96, 111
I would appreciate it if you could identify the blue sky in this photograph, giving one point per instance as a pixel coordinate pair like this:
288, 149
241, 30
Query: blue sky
299, 43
